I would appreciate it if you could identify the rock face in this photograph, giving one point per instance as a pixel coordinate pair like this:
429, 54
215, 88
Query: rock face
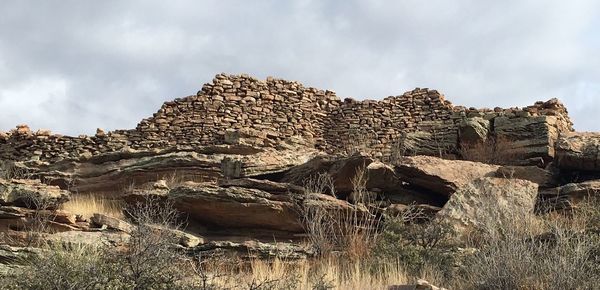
245, 204
254, 249
236, 207
441, 176
474, 130
528, 136
486, 201
115, 172
31, 194
567, 196
579, 151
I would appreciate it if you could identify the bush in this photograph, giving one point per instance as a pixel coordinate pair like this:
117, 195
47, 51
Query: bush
149, 260
416, 246
516, 256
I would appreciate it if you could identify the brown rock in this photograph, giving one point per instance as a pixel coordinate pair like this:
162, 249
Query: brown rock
441, 176
528, 136
31, 194
112, 223
486, 201
579, 151
543, 177
265, 185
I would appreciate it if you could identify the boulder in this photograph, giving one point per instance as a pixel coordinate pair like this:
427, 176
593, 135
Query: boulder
97, 238
341, 170
184, 239
31, 194
578, 151
441, 176
527, 136
101, 220
567, 196
17, 255
488, 200
235, 207
438, 143
543, 177
473, 130
383, 177
19, 218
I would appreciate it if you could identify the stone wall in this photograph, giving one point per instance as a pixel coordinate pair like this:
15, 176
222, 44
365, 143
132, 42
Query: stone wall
274, 110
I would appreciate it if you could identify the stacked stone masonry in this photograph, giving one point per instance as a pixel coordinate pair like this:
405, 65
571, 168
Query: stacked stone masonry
274, 110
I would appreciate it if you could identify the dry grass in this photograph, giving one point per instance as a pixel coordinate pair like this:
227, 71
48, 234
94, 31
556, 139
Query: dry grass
353, 231
330, 273
88, 204
492, 151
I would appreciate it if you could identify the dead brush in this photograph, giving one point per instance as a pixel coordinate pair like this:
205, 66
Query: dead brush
494, 150
352, 230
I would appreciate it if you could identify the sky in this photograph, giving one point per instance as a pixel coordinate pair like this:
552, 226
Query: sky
72, 66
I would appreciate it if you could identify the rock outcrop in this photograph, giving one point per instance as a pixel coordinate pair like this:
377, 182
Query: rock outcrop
488, 201
579, 151
31, 194
441, 176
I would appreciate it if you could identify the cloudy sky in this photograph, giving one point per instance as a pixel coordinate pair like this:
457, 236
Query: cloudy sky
73, 66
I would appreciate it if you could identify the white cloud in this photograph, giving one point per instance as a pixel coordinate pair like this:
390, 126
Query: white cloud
120, 60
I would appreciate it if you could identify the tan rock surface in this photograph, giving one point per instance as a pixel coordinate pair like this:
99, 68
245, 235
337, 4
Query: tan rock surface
441, 176
484, 201
579, 151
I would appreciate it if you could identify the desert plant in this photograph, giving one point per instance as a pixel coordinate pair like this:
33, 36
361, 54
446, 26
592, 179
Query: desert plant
80, 267
88, 204
150, 258
320, 183
416, 245
494, 150
352, 230
550, 252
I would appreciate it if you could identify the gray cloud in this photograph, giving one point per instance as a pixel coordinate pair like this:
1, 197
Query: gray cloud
72, 66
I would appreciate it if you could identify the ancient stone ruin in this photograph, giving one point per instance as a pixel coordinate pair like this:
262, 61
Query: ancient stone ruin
268, 112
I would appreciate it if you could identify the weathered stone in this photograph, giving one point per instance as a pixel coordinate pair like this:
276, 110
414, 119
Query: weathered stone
112, 223
579, 151
234, 207
484, 201
265, 185
255, 249
441, 176
543, 177
473, 130
528, 136
31, 194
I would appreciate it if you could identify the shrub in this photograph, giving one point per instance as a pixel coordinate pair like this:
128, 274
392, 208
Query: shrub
516, 256
352, 230
416, 246
149, 260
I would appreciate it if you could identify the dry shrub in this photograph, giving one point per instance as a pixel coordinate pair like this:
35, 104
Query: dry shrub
536, 253
88, 204
148, 260
422, 247
497, 150
352, 231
